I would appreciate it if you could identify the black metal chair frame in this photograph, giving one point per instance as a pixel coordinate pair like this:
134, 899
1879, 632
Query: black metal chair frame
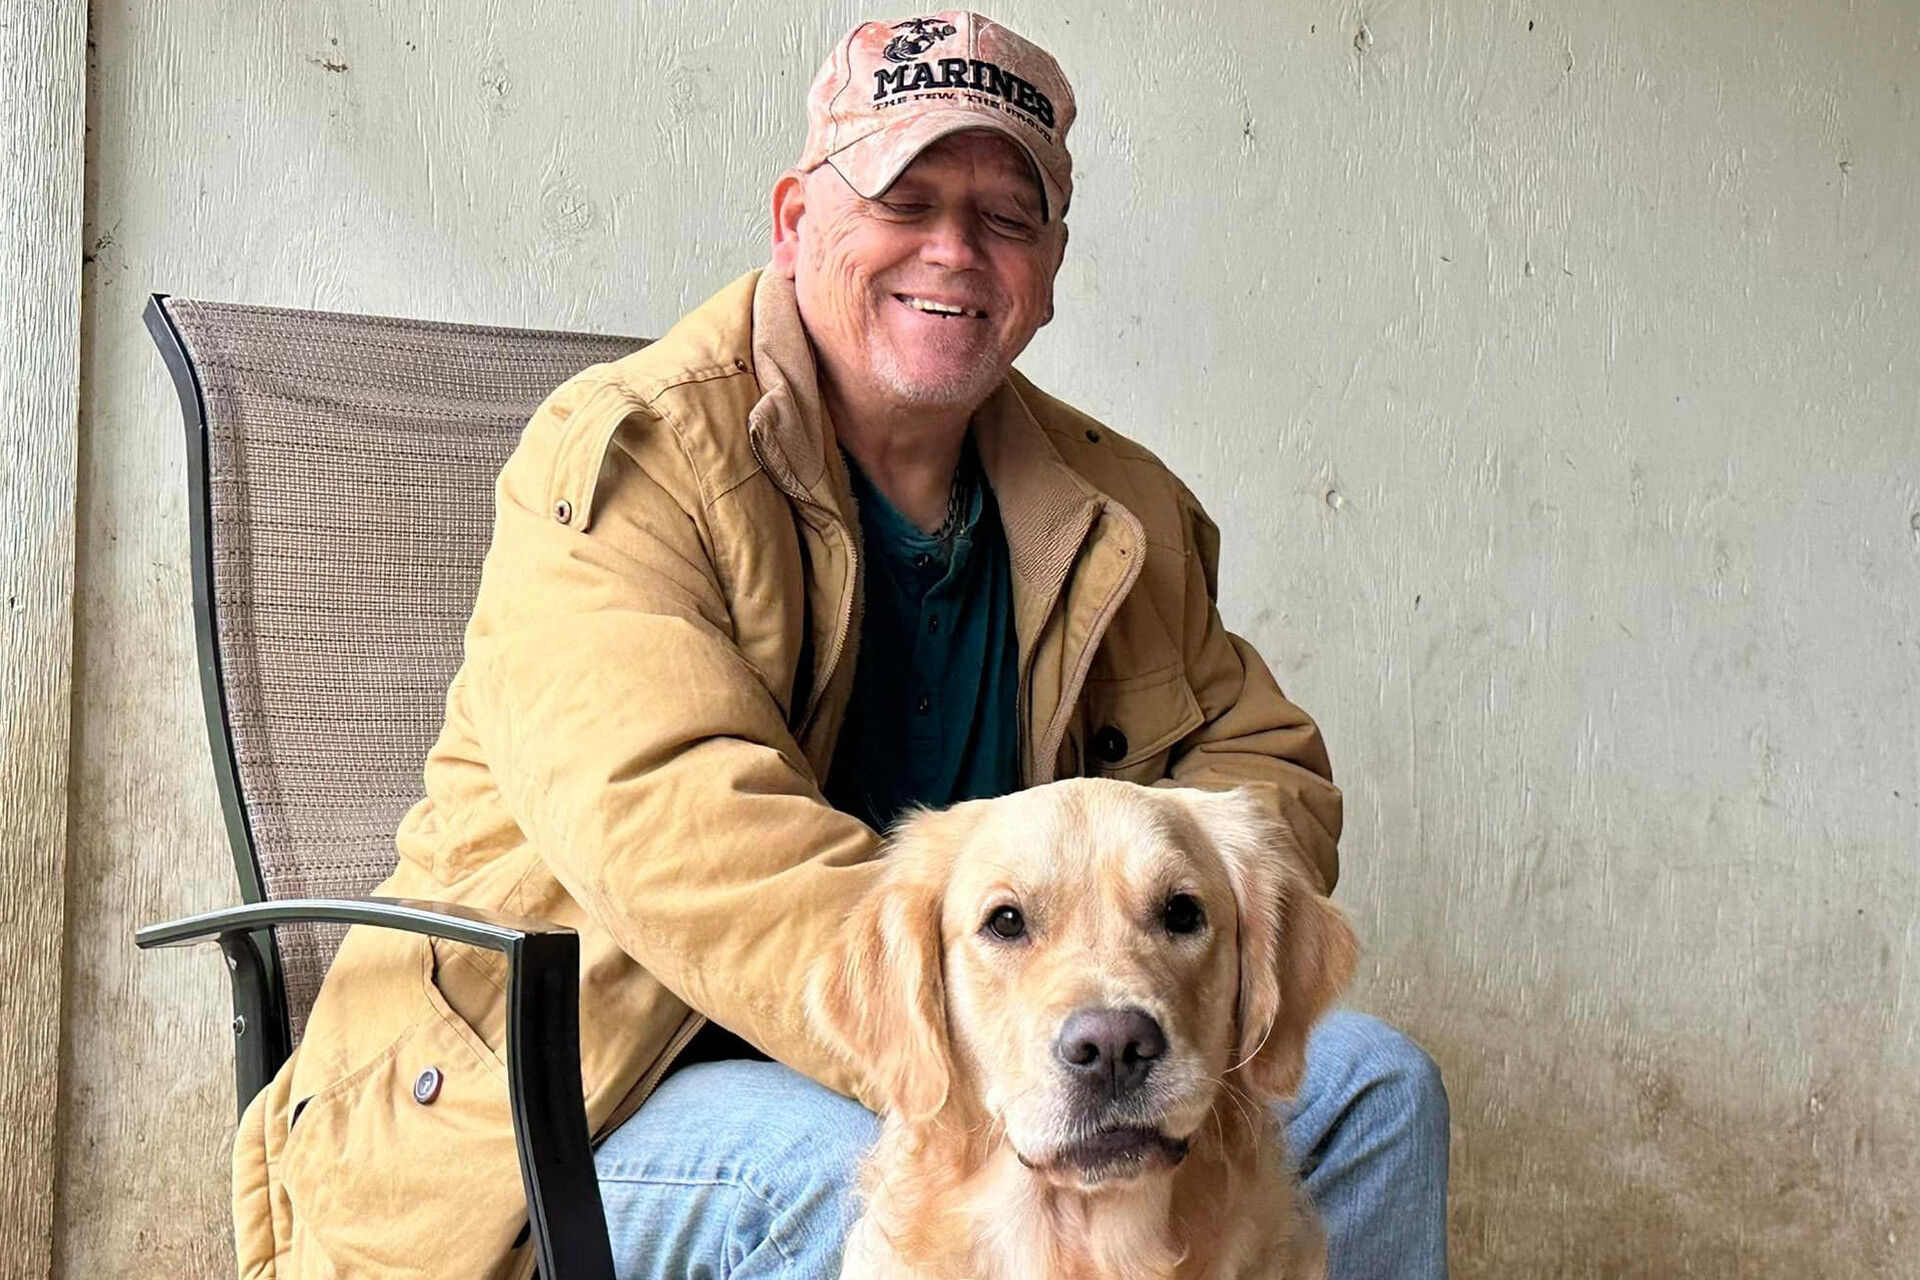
565, 1218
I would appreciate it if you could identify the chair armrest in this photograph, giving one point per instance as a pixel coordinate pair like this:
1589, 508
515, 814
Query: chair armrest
543, 1047
449, 920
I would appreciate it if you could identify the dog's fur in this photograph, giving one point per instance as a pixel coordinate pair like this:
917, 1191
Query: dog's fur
992, 1163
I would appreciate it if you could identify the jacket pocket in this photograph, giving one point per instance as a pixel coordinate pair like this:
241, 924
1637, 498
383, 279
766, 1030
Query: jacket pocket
1131, 725
468, 986
406, 1166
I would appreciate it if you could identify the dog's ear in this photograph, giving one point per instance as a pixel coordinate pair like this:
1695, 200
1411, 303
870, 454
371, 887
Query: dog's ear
877, 997
1297, 951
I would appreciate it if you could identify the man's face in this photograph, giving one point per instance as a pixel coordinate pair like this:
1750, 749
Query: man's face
924, 297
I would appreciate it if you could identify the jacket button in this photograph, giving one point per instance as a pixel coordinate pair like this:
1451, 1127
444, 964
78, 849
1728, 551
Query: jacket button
427, 1087
563, 511
1110, 745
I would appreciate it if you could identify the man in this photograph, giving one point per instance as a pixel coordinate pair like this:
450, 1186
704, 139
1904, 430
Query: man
815, 555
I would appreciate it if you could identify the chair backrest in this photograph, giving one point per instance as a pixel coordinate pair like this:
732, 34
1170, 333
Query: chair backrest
341, 475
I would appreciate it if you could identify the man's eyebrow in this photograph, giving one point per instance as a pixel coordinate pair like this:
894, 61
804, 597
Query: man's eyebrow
1021, 190
1027, 190
1027, 200
908, 184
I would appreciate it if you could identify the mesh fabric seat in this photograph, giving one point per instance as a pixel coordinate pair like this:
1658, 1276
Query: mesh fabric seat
349, 502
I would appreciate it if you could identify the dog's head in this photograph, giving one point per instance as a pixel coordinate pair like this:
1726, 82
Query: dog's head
1091, 964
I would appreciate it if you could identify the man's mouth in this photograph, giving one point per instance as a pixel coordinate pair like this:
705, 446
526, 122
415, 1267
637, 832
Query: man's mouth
936, 307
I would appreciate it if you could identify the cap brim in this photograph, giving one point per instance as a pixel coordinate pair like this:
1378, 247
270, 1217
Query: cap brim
871, 164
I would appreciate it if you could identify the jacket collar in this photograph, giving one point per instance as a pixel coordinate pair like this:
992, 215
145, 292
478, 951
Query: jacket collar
1046, 506
789, 424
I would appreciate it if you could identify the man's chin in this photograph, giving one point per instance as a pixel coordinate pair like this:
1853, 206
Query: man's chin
941, 381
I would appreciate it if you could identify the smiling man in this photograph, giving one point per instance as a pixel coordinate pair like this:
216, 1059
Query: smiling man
818, 555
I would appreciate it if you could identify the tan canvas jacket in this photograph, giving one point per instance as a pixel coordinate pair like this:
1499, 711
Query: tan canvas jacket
659, 659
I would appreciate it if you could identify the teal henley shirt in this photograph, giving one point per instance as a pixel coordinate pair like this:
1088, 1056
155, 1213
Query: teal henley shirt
934, 718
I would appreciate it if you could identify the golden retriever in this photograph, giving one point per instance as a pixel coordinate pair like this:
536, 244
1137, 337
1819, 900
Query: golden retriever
1077, 1003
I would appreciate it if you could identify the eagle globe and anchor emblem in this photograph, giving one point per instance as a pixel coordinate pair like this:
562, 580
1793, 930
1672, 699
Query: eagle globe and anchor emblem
918, 36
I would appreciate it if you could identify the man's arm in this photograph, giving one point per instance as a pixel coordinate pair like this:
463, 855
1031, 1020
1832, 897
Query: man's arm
642, 754
1253, 736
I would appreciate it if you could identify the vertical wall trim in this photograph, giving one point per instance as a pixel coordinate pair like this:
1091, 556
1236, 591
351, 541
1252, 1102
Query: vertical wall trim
42, 117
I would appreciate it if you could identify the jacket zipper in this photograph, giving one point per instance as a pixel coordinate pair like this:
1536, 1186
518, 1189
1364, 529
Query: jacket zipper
1024, 716
643, 1089
782, 481
1070, 692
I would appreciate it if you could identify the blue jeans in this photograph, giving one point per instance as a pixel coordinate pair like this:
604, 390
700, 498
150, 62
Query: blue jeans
743, 1170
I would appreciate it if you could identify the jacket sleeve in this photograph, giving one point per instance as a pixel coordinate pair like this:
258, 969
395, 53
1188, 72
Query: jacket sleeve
641, 753
1252, 735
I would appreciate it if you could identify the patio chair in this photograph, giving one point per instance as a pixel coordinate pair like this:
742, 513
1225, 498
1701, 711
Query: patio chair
340, 479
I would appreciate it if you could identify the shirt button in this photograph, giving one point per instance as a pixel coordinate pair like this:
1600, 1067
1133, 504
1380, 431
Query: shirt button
924, 705
933, 625
427, 1087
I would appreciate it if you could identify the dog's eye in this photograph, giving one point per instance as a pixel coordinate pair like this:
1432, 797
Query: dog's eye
1183, 914
1007, 923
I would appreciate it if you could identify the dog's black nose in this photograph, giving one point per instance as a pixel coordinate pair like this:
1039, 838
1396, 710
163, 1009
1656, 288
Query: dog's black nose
1111, 1049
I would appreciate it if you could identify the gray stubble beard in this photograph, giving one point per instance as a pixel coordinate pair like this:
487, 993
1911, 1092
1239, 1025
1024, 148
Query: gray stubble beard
968, 387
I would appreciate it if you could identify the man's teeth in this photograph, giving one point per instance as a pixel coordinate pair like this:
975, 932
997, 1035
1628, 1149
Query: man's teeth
940, 308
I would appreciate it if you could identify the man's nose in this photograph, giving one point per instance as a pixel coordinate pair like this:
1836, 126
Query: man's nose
1110, 1050
952, 242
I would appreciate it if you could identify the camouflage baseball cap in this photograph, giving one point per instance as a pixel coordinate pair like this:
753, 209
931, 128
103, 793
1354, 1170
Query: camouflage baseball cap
891, 89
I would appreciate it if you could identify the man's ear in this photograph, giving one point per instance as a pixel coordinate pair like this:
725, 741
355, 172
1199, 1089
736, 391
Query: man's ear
877, 997
1059, 256
789, 204
1297, 951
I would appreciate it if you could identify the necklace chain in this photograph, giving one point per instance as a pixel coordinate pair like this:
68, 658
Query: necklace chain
957, 499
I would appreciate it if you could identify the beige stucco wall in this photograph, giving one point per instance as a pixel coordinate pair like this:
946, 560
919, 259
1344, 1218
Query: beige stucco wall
1552, 369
